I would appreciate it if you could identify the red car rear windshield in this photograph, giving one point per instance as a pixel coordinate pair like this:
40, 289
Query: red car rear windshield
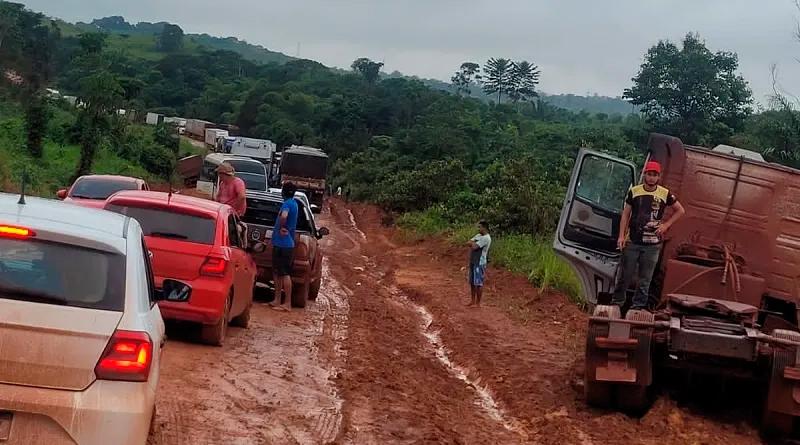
100, 188
165, 223
54, 273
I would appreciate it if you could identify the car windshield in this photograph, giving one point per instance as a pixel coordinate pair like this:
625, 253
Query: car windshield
100, 188
164, 223
55, 273
253, 182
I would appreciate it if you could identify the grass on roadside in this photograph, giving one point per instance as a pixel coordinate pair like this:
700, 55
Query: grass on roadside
522, 254
55, 168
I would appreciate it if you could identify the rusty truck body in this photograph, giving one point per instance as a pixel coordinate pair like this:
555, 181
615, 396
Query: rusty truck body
724, 298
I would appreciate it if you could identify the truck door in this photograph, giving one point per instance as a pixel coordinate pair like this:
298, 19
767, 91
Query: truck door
589, 224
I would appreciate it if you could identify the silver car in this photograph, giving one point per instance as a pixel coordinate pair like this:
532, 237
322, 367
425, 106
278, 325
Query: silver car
80, 332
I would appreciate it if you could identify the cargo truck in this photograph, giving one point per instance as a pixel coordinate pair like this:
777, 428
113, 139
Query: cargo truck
307, 168
724, 298
196, 128
213, 135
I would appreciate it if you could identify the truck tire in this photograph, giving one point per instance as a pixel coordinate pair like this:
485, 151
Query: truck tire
215, 334
243, 320
300, 295
313, 292
773, 423
598, 394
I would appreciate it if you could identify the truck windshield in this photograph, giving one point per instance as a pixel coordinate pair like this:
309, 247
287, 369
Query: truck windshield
99, 188
253, 181
55, 273
164, 223
242, 166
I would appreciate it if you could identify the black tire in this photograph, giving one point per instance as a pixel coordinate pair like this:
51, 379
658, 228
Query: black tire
313, 292
773, 423
215, 334
299, 295
243, 319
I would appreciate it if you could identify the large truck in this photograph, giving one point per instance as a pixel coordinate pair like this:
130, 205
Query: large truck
307, 168
724, 298
154, 119
260, 149
213, 135
196, 128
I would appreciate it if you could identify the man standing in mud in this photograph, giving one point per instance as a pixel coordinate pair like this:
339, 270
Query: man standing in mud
479, 251
283, 247
641, 219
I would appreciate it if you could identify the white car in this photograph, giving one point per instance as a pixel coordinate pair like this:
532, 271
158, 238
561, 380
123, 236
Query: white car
297, 195
80, 332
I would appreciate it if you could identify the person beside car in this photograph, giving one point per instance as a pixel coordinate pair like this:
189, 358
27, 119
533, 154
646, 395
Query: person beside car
232, 190
283, 247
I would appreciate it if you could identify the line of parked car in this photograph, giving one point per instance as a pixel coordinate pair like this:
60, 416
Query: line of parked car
84, 294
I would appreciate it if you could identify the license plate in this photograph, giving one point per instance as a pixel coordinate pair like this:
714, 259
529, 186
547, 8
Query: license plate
5, 425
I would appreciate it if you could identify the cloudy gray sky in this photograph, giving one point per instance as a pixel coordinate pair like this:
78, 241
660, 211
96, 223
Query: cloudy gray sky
582, 46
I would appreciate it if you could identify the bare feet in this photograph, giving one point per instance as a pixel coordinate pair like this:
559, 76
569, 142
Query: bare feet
281, 308
471, 303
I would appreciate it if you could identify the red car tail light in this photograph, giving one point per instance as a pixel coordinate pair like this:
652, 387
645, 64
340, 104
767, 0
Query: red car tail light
214, 267
16, 232
127, 357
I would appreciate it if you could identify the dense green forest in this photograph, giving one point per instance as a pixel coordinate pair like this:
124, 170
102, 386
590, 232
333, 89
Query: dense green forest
441, 158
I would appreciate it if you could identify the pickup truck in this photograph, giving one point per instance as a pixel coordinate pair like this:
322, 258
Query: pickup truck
262, 210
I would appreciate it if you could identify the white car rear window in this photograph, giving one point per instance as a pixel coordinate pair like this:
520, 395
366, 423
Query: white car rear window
62, 274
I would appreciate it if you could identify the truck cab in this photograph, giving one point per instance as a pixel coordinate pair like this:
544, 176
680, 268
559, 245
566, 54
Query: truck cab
724, 298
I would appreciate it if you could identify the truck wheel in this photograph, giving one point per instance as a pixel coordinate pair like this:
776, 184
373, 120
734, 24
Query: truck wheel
300, 295
598, 394
215, 334
314, 290
774, 423
243, 320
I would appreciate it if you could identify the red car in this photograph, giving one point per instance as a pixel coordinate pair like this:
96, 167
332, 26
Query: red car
93, 190
198, 242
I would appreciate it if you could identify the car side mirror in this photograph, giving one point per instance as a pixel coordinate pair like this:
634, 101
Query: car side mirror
175, 291
62, 194
323, 231
314, 208
256, 247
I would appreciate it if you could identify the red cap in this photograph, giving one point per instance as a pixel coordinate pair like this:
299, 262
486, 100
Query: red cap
652, 166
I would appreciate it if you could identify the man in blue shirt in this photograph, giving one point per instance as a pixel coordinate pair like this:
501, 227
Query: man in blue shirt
283, 247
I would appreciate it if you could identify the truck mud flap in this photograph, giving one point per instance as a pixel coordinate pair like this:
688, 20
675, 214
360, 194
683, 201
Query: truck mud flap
783, 397
618, 351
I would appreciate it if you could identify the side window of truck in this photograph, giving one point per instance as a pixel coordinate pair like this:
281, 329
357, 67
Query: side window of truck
603, 183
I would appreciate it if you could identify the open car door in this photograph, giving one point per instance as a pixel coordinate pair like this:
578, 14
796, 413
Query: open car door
589, 225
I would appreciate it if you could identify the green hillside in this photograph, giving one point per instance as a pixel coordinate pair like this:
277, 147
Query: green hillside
139, 40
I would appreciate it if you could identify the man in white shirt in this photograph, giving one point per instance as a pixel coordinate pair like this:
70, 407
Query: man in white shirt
479, 251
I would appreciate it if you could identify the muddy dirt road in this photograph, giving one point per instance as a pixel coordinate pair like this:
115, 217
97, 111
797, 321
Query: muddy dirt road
389, 354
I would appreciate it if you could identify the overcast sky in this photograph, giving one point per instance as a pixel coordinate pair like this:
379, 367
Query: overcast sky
581, 46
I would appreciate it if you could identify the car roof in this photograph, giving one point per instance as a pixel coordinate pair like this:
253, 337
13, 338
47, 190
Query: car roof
112, 177
183, 202
306, 150
68, 223
222, 157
